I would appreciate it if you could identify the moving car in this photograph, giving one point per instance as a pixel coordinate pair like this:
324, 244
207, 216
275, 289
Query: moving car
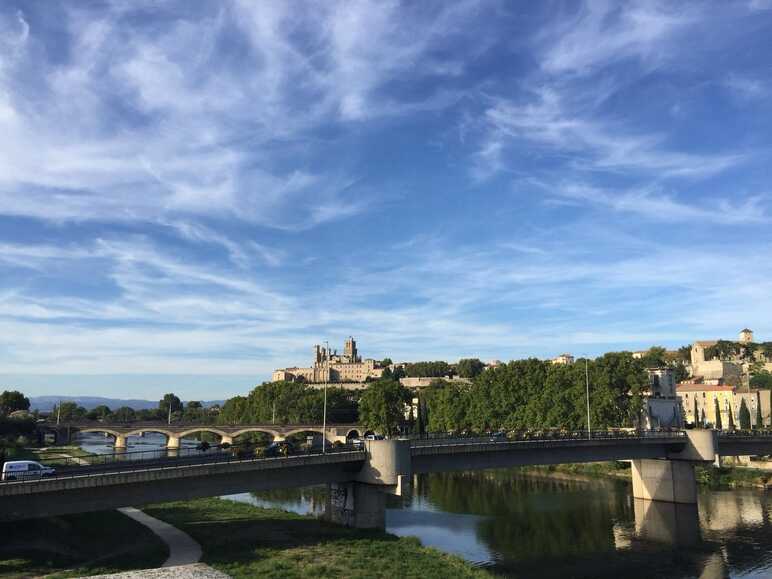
280, 448
25, 469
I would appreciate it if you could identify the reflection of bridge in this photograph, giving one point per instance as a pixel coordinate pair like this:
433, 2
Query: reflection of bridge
226, 433
662, 469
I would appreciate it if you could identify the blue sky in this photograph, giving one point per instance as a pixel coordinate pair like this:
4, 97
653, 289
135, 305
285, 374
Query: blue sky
194, 193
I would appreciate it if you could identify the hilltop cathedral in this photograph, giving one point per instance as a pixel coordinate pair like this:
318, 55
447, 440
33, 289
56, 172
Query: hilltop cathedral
329, 366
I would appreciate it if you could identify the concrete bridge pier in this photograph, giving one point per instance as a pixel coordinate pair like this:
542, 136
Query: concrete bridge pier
120, 442
672, 480
224, 439
362, 503
173, 443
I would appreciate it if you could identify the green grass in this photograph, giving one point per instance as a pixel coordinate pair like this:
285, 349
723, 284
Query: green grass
77, 545
246, 541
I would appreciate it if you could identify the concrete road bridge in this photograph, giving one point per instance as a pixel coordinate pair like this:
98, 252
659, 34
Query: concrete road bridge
176, 431
662, 472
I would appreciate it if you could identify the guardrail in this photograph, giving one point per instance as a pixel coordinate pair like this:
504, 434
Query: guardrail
765, 433
542, 436
111, 462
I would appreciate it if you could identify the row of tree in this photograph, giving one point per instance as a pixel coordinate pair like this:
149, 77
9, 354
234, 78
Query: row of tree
170, 407
748, 351
522, 394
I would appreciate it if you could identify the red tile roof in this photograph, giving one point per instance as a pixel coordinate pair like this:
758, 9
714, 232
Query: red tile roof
689, 387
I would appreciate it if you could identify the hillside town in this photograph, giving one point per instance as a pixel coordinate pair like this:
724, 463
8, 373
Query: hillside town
711, 383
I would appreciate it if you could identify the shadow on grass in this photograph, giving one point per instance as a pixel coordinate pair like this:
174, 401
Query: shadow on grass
79, 544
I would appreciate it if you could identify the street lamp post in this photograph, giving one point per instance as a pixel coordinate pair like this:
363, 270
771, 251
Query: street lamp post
587, 388
324, 421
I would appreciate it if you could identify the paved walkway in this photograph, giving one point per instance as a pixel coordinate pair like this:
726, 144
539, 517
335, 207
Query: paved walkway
183, 550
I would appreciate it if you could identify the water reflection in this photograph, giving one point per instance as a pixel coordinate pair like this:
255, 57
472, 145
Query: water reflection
538, 526
521, 524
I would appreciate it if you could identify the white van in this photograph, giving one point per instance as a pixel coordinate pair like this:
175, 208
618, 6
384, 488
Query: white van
25, 469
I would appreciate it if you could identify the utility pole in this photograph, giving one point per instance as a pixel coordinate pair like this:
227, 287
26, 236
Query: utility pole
58, 412
273, 413
169, 420
587, 386
324, 421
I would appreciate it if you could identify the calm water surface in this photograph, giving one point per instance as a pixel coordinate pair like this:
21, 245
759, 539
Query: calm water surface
527, 525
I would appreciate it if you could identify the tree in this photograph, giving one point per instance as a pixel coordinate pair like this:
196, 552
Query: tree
685, 353
124, 414
744, 416
194, 410
101, 412
655, 357
13, 400
469, 367
718, 425
382, 406
762, 380
696, 413
386, 362
759, 418
169, 400
68, 411
731, 417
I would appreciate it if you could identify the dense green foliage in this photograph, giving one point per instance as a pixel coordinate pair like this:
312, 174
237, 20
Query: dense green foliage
290, 403
438, 369
532, 393
717, 409
382, 406
750, 352
246, 541
11, 401
762, 380
469, 367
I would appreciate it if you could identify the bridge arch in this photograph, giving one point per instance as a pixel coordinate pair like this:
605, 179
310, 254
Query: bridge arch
353, 433
97, 429
268, 431
209, 429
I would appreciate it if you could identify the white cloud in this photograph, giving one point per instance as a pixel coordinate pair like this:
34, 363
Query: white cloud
603, 32
660, 207
592, 143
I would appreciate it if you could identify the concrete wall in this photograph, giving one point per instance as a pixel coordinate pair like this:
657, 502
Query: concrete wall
664, 480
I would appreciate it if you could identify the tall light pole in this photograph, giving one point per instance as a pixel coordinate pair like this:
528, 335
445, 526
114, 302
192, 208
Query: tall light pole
324, 421
587, 387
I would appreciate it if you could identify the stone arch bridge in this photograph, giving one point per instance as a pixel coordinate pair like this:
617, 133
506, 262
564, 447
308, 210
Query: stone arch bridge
227, 433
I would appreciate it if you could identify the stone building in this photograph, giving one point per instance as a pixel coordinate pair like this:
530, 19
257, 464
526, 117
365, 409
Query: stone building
701, 398
563, 359
662, 405
331, 367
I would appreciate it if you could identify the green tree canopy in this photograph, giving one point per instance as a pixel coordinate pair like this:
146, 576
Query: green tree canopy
382, 406
13, 400
124, 414
718, 425
100, 412
169, 400
437, 369
469, 367
762, 380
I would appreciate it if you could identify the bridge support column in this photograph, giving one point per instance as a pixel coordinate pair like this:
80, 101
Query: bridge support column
356, 505
120, 442
671, 481
226, 440
362, 504
173, 443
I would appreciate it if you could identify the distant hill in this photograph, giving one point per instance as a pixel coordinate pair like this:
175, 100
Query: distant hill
47, 403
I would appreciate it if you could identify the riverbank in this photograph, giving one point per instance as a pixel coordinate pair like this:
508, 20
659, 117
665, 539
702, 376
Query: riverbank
246, 541
77, 545
709, 476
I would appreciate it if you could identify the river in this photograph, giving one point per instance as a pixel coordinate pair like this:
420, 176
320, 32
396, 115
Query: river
530, 525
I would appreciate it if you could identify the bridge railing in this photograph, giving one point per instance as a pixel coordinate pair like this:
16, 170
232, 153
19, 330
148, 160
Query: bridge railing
541, 436
738, 433
138, 460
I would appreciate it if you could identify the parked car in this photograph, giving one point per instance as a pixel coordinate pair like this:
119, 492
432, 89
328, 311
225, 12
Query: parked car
358, 443
374, 437
281, 448
26, 469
